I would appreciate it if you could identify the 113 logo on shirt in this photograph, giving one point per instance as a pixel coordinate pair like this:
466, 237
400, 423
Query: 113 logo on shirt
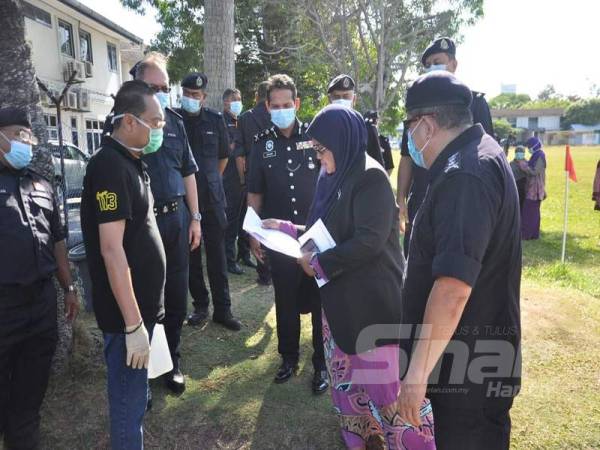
107, 201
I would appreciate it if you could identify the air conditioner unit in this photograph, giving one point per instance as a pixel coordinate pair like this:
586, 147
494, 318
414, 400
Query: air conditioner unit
84, 101
89, 69
70, 100
72, 66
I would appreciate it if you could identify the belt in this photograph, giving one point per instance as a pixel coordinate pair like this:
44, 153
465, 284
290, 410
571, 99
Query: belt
166, 208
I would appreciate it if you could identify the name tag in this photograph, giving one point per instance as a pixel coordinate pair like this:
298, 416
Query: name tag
209, 132
171, 135
269, 154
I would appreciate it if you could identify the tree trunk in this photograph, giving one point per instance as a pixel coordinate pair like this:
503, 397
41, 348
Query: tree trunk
219, 41
19, 88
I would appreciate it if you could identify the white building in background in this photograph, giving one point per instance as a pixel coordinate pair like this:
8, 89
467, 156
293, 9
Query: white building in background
65, 35
537, 120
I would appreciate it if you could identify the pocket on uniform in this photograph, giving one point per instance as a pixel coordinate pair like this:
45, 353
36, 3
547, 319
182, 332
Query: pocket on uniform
42, 199
209, 144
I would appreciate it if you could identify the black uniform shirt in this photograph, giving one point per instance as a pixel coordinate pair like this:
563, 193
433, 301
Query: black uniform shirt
30, 225
284, 170
386, 152
481, 114
468, 228
117, 187
251, 123
172, 162
231, 175
373, 148
210, 143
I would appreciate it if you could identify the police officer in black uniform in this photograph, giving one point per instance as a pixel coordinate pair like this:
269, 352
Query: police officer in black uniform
341, 90
412, 180
172, 180
282, 179
250, 124
235, 190
32, 240
464, 272
372, 117
210, 144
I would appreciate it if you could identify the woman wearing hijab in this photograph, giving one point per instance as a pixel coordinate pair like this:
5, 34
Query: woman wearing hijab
535, 190
361, 300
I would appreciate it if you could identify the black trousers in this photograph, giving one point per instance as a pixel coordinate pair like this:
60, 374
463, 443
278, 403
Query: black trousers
295, 293
236, 210
174, 231
28, 336
214, 223
487, 427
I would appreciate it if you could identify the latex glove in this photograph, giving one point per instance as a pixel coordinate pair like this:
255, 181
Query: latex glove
138, 347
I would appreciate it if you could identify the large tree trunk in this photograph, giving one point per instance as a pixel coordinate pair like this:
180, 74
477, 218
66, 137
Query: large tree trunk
219, 57
19, 88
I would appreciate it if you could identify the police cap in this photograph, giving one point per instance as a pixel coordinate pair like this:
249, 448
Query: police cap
437, 88
341, 83
195, 80
441, 45
371, 116
12, 115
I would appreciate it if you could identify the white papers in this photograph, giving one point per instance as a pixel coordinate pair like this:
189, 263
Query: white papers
317, 239
160, 357
274, 239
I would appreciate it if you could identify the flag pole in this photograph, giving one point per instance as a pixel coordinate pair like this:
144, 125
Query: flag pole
564, 240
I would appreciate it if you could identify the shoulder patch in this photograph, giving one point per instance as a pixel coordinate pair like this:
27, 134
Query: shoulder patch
107, 201
454, 163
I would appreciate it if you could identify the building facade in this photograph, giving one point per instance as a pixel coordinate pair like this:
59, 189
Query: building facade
67, 36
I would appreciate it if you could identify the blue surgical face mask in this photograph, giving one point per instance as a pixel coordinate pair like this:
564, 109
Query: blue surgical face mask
283, 118
191, 105
436, 67
343, 101
415, 153
519, 156
236, 107
163, 99
20, 154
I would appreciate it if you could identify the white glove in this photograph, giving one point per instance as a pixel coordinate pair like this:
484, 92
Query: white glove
138, 346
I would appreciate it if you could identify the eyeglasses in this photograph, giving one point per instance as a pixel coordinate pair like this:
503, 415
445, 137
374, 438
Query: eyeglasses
157, 89
320, 149
154, 124
408, 122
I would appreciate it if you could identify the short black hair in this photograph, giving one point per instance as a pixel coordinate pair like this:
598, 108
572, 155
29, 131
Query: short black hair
130, 99
262, 90
447, 116
281, 81
229, 92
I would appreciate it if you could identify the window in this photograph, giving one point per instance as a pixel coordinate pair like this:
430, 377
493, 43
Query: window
65, 36
93, 134
37, 14
85, 46
74, 132
112, 57
51, 126
532, 123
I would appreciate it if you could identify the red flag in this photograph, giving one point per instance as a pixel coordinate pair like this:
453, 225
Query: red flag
569, 166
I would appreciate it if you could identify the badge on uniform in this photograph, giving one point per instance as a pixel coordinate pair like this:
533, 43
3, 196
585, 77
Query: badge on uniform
304, 145
269, 147
454, 163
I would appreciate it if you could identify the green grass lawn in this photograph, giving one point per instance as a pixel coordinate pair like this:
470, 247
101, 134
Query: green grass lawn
231, 402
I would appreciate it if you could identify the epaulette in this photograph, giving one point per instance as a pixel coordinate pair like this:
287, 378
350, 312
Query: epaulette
172, 111
268, 133
212, 111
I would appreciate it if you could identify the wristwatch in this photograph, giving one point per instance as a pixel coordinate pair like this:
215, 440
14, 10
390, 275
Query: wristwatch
70, 288
197, 216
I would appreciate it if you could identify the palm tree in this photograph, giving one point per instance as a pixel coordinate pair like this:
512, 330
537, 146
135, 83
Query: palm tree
19, 88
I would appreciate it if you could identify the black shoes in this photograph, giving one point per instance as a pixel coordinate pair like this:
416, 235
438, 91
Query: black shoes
320, 382
228, 321
198, 317
247, 261
285, 372
175, 381
234, 268
263, 281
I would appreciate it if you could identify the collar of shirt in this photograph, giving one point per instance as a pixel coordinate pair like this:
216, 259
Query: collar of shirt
296, 132
111, 142
458, 144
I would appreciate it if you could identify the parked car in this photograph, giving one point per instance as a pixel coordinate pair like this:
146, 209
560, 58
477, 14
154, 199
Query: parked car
75, 163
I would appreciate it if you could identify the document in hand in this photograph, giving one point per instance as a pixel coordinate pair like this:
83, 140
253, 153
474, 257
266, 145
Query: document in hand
316, 239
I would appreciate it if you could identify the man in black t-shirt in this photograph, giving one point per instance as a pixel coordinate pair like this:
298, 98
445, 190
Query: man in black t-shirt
125, 255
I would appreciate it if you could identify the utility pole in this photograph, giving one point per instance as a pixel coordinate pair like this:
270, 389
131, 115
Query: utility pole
57, 101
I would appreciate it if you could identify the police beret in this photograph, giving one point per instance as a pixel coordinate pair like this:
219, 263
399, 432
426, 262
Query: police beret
195, 81
12, 115
371, 116
341, 83
437, 88
441, 45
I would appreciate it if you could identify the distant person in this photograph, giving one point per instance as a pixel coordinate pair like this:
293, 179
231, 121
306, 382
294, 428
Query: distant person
372, 117
535, 190
364, 282
519, 174
596, 189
